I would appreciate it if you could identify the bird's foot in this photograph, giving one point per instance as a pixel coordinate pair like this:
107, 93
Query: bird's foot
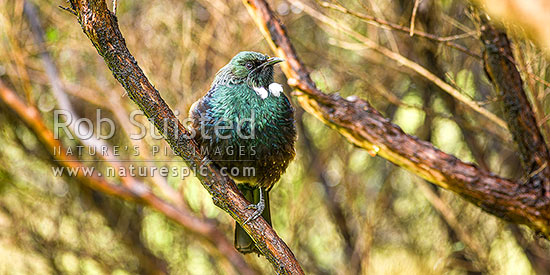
260, 206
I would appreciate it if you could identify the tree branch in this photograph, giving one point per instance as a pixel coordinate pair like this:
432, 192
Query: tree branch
530, 17
500, 66
31, 117
400, 59
393, 26
134, 192
101, 27
365, 127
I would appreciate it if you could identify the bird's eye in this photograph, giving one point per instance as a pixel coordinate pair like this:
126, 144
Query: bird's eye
249, 65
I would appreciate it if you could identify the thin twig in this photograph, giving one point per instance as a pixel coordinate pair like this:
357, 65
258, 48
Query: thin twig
538, 79
392, 26
538, 108
451, 219
31, 117
413, 17
335, 208
404, 61
388, 32
366, 128
138, 193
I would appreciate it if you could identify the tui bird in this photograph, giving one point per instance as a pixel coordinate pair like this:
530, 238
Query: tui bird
245, 125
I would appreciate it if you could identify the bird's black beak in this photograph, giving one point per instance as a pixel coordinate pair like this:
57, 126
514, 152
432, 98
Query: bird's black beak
272, 61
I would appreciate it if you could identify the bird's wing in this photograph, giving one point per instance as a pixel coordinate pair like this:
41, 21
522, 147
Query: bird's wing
199, 107
199, 111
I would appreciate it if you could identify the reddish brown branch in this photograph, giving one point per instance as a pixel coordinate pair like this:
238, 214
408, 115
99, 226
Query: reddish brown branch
136, 192
31, 117
101, 27
365, 127
500, 66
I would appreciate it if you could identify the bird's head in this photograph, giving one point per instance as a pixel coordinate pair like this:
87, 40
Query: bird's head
255, 69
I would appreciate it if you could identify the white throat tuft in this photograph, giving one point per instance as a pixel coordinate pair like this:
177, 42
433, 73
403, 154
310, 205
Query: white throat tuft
276, 89
261, 91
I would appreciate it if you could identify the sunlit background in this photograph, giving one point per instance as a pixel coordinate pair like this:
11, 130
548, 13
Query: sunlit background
341, 209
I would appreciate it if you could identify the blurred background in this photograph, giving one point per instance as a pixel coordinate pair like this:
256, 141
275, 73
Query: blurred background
340, 209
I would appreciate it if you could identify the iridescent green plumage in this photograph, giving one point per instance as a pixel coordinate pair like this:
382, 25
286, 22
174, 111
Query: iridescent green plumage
243, 122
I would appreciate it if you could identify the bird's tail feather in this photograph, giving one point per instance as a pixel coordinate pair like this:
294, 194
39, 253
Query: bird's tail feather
243, 243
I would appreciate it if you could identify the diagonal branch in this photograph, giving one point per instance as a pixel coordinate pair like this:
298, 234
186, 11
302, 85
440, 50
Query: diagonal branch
500, 66
31, 117
135, 192
367, 128
369, 43
194, 224
64, 103
101, 27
